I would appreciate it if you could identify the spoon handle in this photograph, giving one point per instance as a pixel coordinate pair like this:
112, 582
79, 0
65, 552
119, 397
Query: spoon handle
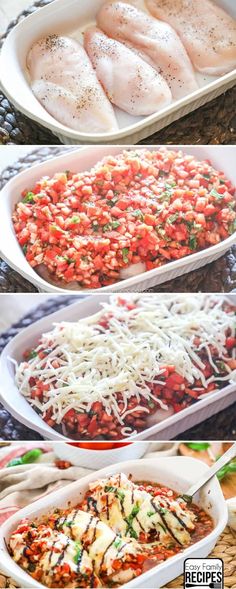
210, 472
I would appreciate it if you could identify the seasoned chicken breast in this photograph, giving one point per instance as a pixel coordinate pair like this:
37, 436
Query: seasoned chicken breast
129, 82
206, 30
102, 544
157, 41
55, 559
65, 83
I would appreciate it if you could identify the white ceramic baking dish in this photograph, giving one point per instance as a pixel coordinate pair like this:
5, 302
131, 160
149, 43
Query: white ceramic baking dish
72, 17
222, 157
101, 458
177, 473
21, 410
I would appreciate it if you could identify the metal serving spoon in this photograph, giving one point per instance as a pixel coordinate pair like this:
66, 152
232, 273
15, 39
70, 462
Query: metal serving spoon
227, 457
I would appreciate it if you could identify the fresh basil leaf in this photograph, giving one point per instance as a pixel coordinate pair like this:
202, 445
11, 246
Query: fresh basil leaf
198, 446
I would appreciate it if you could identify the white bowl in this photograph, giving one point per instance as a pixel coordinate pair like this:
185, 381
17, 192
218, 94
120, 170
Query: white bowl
21, 409
71, 17
177, 473
99, 458
222, 157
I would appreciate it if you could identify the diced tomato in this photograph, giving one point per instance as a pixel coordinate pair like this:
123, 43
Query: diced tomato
146, 206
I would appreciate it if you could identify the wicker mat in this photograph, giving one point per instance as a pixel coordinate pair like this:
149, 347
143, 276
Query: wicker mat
218, 427
220, 276
225, 548
214, 122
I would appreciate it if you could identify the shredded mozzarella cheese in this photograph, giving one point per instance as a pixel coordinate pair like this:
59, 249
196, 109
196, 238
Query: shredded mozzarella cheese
86, 362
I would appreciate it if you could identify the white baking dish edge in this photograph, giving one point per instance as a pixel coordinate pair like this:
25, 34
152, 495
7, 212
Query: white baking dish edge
167, 471
90, 156
28, 337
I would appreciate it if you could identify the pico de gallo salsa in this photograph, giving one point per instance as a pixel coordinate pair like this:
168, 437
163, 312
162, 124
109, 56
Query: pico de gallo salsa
134, 211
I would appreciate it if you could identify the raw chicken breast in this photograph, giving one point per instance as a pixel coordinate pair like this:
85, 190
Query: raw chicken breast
65, 83
156, 40
129, 82
206, 30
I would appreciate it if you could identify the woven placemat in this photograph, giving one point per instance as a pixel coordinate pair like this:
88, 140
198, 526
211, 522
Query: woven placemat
214, 122
225, 548
219, 427
219, 276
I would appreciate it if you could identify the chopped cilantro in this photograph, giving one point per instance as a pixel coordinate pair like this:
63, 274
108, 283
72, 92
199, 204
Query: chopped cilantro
166, 195
172, 218
221, 365
120, 494
192, 242
110, 226
138, 213
29, 197
129, 520
135, 511
206, 176
190, 224
232, 227
150, 513
163, 173
169, 185
112, 201
95, 226
132, 533
107, 227
24, 249
65, 259
162, 510
125, 253
75, 219
109, 488
118, 542
32, 354
78, 552
56, 228
216, 194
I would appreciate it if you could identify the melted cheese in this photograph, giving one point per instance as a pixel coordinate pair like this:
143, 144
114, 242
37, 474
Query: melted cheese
117, 498
102, 544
